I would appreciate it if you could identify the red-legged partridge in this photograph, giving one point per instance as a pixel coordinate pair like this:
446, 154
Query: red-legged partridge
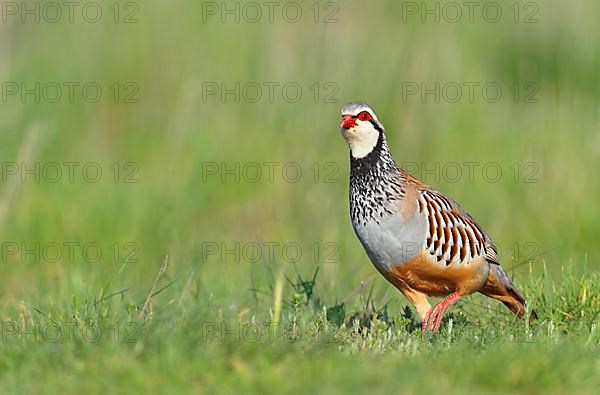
420, 240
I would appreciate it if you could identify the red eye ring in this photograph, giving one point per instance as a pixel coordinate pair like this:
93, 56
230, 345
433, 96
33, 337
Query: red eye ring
364, 116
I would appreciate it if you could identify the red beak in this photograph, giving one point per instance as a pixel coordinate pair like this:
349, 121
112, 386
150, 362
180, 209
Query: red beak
348, 121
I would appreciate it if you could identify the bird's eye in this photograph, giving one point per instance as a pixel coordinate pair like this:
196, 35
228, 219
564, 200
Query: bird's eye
364, 116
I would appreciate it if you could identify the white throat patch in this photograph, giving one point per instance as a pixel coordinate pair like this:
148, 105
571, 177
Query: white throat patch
362, 139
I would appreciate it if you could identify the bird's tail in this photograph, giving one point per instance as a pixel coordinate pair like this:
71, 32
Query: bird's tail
499, 286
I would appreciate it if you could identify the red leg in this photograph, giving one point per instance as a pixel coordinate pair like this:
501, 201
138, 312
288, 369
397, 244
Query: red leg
442, 306
424, 323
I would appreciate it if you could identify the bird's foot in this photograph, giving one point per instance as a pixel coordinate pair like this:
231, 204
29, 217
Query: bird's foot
433, 318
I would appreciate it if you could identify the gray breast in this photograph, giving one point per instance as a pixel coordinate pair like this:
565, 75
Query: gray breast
392, 238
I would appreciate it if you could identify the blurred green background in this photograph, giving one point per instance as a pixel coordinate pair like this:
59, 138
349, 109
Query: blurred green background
174, 134
182, 138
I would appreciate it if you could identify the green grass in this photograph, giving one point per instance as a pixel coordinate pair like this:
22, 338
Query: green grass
190, 343
345, 330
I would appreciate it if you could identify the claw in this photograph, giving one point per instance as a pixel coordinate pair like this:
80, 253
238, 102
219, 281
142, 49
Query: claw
436, 314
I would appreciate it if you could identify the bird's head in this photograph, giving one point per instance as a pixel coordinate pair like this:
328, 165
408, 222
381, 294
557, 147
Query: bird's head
361, 128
